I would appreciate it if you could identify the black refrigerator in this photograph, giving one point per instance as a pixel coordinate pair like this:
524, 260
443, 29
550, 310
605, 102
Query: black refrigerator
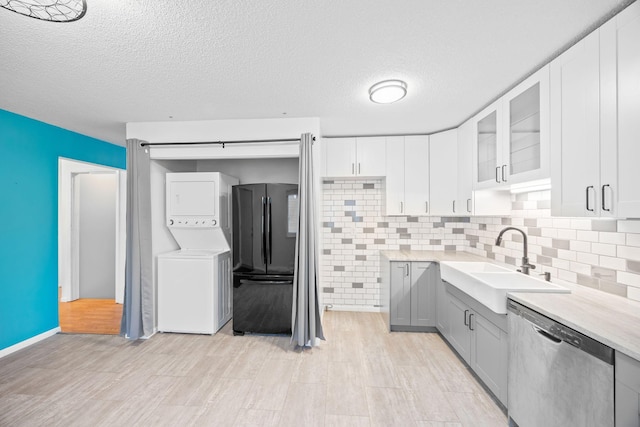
265, 222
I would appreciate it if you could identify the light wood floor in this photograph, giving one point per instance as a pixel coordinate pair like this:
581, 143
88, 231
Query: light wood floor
361, 376
90, 316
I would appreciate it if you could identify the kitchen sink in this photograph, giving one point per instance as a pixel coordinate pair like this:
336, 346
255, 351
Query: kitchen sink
489, 283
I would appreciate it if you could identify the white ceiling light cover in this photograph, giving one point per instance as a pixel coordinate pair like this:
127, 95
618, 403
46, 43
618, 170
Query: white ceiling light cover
48, 10
388, 91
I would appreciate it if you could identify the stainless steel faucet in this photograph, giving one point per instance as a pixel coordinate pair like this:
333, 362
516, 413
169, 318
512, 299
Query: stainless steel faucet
525, 267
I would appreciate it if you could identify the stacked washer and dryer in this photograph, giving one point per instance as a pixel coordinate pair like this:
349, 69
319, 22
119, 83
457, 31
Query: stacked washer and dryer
194, 282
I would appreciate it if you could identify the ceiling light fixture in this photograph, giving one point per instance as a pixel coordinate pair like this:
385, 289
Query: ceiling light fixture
48, 10
388, 91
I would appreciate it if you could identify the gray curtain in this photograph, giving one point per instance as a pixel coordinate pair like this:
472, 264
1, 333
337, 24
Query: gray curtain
305, 321
137, 312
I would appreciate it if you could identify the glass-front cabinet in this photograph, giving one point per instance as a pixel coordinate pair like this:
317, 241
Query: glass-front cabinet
487, 137
512, 135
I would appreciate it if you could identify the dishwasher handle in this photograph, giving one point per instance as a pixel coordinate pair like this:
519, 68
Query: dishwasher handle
546, 334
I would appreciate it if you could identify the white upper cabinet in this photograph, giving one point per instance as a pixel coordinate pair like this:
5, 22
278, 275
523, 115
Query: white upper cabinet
464, 198
595, 122
416, 175
394, 186
443, 172
407, 184
575, 129
620, 115
511, 136
370, 155
526, 120
354, 157
339, 156
488, 166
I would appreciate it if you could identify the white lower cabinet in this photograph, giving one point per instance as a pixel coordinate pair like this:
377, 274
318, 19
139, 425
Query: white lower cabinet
474, 333
627, 391
413, 296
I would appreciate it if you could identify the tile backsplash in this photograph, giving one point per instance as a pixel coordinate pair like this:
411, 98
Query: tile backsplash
599, 253
355, 231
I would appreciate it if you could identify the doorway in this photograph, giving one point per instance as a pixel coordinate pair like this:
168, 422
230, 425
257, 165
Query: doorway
91, 240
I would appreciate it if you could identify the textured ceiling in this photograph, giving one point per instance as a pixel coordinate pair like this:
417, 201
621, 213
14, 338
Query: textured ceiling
144, 60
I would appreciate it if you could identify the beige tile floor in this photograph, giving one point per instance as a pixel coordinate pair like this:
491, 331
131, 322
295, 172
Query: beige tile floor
361, 376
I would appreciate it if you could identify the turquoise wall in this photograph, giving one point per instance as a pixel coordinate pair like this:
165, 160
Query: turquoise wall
29, 152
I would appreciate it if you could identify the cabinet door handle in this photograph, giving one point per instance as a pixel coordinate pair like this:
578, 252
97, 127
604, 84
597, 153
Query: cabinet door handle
407, 271
465, 317
401, 207
353, 168
603, 204
470, 328
504, 177
426, 207
358, 168
587, 196
497, 176
454, 206
469, 205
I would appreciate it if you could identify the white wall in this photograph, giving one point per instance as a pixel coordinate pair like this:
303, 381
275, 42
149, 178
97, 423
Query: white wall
251, 171
97, 234
223, 130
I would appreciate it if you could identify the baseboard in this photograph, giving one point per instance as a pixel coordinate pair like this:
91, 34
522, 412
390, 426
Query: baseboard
396, 328
363, 308
26, 343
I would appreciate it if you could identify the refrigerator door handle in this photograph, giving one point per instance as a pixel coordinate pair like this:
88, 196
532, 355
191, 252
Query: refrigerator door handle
269, 232
264, 209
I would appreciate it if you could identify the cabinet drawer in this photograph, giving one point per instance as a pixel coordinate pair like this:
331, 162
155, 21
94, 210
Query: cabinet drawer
628, 371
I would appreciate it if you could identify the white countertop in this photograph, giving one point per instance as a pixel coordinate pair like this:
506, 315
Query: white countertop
610, 319
435, 256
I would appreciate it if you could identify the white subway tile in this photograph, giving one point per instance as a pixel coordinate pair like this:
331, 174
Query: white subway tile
544, 241
587, 258
629, 252
603, 249
633, 293
580, 268
612, 238
588, 236
517, 222
576, 245
613, 263
567, 234
569, 276
581, 224
629, 226
565, 254
633, 239
561, 223
629, 279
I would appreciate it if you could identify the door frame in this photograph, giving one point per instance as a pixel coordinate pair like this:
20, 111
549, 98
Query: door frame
68, 237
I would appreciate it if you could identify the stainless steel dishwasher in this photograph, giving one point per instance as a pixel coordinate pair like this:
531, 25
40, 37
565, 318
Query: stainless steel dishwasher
557, 376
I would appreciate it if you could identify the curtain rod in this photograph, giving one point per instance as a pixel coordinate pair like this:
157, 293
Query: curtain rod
223, 143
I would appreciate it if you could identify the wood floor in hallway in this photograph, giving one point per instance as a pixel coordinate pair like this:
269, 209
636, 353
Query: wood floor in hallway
361, 376
90, 316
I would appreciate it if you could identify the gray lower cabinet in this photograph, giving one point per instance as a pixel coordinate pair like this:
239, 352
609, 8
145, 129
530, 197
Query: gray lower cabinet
442, 308
627, 394
413, 292
475, 335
